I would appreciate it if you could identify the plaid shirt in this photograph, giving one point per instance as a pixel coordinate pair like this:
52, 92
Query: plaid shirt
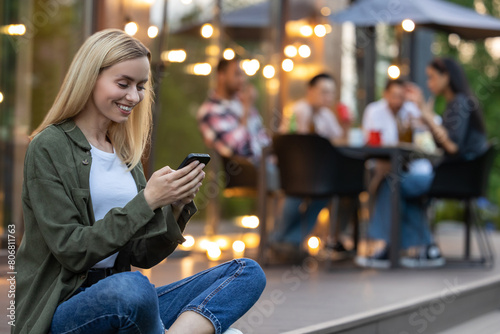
220, 125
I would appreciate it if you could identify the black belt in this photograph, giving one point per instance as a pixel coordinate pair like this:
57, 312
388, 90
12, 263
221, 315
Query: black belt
95, 275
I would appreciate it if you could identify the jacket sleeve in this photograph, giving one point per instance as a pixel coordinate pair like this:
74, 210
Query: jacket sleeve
75, 243
147, 252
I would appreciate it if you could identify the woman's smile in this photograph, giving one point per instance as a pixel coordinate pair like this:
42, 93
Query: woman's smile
125, 110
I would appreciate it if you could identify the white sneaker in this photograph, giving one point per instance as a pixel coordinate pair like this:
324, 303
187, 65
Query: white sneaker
233, 331
428, 257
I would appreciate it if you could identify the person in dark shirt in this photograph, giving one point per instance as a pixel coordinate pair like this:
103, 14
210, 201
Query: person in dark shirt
461, 135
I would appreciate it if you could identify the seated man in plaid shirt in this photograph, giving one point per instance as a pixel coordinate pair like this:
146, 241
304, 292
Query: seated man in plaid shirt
228, 121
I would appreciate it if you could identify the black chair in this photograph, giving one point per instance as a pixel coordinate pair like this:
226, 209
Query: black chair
244, 179
466, 181
241, 177
235, 177
312, 168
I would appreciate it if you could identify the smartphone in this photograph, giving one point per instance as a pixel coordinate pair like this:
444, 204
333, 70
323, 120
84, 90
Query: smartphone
201, 157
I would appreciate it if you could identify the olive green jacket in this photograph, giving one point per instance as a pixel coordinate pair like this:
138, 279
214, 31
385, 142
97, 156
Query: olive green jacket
62, 240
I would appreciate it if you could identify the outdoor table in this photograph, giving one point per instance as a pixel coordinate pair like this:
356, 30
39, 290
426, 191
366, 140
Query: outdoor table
398, 156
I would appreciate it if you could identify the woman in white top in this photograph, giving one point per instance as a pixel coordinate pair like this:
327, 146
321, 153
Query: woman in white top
90, 215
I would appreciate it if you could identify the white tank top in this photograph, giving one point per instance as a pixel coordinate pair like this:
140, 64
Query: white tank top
111, 186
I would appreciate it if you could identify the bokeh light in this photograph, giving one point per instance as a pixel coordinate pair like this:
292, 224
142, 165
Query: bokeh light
268, 71
290, 51
250, 222
325, 11
304, 51
228, 54
408, 25
202, 69
174, 56
131, 28
250, 66
207, 30
238, 246
394, 72
306, 31
287, 65
16, 29
189, 241
213, 251
153, 31
313, 242
320, 30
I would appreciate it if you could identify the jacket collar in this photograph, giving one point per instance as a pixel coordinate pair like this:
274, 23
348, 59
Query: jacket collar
75, 134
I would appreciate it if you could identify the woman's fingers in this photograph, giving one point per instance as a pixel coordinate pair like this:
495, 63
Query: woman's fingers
180, 178
164, 171
195, 174
167, 186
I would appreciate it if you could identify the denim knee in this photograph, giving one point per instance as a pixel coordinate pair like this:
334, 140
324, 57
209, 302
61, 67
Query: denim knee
132, 293
256, 276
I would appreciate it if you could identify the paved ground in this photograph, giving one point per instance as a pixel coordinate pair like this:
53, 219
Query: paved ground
298, 296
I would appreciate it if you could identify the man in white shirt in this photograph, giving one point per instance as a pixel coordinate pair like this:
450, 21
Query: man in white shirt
313, 114
385, 114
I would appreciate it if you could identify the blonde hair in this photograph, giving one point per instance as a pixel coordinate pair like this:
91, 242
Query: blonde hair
100, 51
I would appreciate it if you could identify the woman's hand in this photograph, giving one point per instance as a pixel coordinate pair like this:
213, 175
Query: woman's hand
178, 187
428, 114
414, 94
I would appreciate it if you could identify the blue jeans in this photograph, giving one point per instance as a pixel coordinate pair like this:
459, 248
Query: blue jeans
128, 303
291, 229
414, 223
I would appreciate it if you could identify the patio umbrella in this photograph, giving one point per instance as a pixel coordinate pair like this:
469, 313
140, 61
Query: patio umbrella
258, 15
436, 14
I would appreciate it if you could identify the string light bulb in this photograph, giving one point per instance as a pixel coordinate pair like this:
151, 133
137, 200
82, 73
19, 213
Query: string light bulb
325, 11
16, 29
174, 56
268, 71
306, 30
207, 30
313, 242
304, 51
131, 28
290, 51
320, 30
394, 72
287, 65
408, 25
153, 31
202, 69
189, 241
213, 251
238, 246
228, 54
250, 222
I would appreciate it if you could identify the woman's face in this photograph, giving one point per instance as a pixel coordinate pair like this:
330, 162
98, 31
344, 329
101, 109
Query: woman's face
119, 89
436, 81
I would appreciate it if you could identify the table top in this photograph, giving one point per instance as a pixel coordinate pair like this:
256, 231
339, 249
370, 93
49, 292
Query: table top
406, 150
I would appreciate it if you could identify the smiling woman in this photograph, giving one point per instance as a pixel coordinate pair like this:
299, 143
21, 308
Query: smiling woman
90, 214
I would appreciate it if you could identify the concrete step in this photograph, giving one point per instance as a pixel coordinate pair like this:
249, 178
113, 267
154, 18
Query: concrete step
485, 324
457, 305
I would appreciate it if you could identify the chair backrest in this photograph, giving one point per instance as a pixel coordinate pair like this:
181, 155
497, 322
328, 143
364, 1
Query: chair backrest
349, 176
239, 173
305, 164
464, 179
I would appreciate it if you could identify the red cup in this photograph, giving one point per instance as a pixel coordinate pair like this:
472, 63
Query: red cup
374, 138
